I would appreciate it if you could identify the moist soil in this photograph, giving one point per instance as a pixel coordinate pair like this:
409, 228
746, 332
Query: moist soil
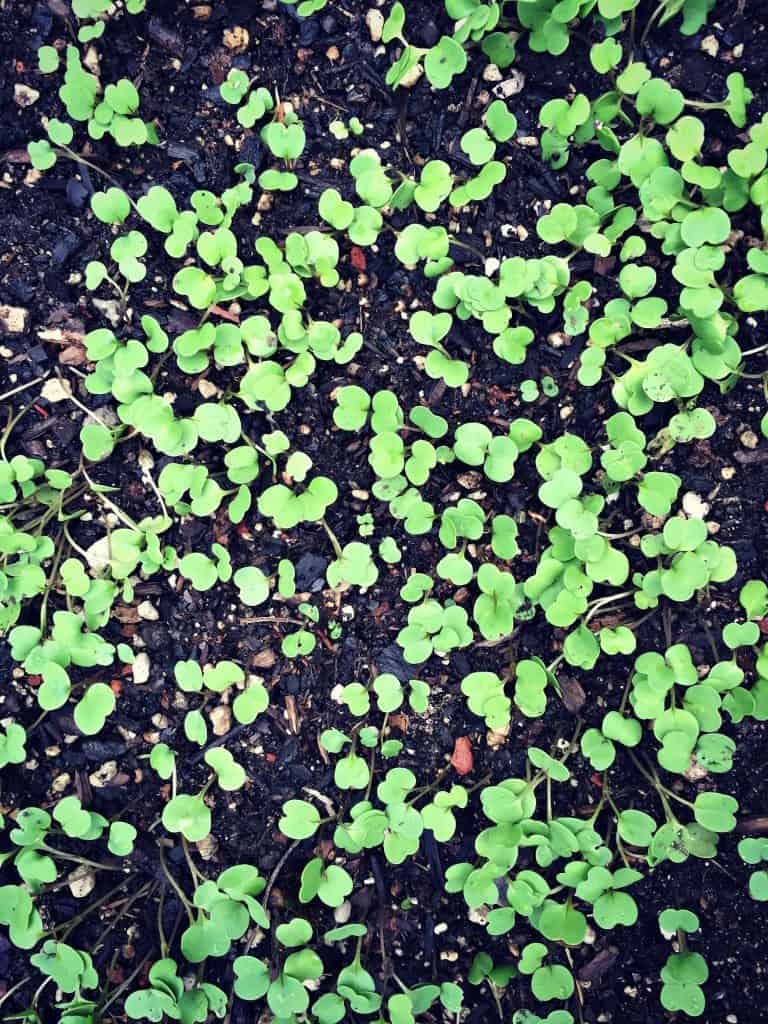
329, 68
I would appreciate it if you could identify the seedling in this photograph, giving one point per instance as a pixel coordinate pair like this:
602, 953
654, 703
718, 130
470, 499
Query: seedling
188, 815
429, 329
12, 744
684, 973
753, 852
167, 995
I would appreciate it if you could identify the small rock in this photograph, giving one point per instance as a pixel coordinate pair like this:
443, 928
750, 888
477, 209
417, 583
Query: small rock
332, 53
510, 86
469, 480
24, 96
375, 21
202, 12
56, 390
749, 439
492, 73
61, 782
110, 308
710, 45
695, 771
141, 667
461, 758
13, 319
207, 847
694, 506
411, 77
265, 658
103, 775
557, 339
98, 555
236, 39
343, 912
496, 738
148, 611
590, 936
221, 720
91, 61
81, 881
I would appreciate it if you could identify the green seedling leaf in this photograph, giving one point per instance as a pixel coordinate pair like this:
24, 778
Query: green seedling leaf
188, 815
121, 838
93, 708
299, 820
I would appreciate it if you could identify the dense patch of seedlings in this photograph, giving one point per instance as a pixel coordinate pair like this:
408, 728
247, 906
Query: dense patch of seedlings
663, 328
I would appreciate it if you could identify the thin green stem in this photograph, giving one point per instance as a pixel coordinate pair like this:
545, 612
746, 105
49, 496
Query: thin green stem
175, 885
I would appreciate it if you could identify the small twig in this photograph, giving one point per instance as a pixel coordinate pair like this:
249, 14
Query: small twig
277, 619
39, 380
276, 871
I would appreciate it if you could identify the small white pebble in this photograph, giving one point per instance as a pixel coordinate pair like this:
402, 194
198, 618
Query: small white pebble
343, 912
694, 506
510, 86
24, 95
492, 73
148, 611
375, 21
141, 666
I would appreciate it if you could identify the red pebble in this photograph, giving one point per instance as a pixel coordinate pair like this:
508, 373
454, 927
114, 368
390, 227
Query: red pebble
461, 758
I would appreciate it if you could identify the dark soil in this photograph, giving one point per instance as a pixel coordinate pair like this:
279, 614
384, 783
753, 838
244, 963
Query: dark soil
47, 235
